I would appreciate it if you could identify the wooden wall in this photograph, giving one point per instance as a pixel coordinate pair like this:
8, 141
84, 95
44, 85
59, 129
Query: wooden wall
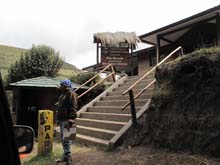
143, 63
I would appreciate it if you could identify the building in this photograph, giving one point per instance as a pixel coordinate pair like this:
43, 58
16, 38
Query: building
198, 31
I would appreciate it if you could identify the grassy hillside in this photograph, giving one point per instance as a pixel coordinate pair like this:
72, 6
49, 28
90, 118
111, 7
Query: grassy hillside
9, 55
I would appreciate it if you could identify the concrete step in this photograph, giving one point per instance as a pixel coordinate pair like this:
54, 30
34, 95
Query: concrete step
138, 86
110, 109
120, 103
125, 97
135, 88
106, 116
91, 140
96, 132
149, 91
135, 78
141, 83
104, 124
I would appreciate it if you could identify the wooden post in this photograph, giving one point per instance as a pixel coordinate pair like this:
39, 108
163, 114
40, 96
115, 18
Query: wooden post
132, 65
97, 51
133, 111
158, 50
113, 71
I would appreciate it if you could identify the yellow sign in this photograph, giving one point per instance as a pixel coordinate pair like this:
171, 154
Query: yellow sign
45, 132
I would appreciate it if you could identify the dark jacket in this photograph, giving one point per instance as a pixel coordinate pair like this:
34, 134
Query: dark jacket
67, 105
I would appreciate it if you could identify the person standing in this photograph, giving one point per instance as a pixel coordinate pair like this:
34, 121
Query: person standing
66, 114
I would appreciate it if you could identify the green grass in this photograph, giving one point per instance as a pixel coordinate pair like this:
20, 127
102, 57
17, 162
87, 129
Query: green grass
50, 159
68, 66
9, 55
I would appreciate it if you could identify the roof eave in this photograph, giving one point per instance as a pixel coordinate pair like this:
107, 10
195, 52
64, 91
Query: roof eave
178, 23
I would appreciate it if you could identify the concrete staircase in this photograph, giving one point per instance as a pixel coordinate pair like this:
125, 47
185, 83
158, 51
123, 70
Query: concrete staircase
102, 122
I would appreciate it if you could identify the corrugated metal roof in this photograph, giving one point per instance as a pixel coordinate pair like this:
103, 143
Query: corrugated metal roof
41, 82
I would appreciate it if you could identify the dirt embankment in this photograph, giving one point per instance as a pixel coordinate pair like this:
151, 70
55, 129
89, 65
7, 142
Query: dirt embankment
184, 114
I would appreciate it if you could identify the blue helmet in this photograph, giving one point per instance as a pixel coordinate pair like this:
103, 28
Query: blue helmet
66, 83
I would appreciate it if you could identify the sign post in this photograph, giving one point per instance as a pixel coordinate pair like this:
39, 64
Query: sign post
45, 132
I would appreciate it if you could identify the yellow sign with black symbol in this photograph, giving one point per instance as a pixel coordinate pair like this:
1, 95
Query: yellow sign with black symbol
45, 132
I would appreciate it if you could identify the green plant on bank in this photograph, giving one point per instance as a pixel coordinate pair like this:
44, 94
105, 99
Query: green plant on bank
82, 78
85, 76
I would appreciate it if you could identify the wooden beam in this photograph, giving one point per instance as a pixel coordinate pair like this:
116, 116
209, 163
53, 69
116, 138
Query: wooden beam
188, 26
148, 42
97, 51
132, 58
167, 40
158, 49
181, 22
218, 28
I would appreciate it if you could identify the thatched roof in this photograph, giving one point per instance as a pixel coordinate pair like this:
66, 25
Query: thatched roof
108, 38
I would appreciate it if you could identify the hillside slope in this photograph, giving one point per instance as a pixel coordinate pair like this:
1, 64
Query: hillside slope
9, 55
184, 110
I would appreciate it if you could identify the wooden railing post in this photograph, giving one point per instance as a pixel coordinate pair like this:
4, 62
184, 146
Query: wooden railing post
113, 71
133, 111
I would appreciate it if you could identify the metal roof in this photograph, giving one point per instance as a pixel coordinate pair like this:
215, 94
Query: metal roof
175, 30
41, 81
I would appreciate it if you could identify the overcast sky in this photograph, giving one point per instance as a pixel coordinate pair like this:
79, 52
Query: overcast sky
69, 25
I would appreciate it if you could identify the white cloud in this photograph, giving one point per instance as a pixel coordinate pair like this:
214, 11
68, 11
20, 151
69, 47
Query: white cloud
69, 25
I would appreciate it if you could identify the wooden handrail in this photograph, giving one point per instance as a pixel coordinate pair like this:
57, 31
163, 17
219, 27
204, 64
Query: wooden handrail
111, 74
139, 93
152, 82
133, 85
94, 85
92, 78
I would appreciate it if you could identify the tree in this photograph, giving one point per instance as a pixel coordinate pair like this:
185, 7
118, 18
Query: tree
38, 61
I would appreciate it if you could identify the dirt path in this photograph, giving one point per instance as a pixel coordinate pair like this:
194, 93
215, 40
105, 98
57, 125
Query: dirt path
139, 156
